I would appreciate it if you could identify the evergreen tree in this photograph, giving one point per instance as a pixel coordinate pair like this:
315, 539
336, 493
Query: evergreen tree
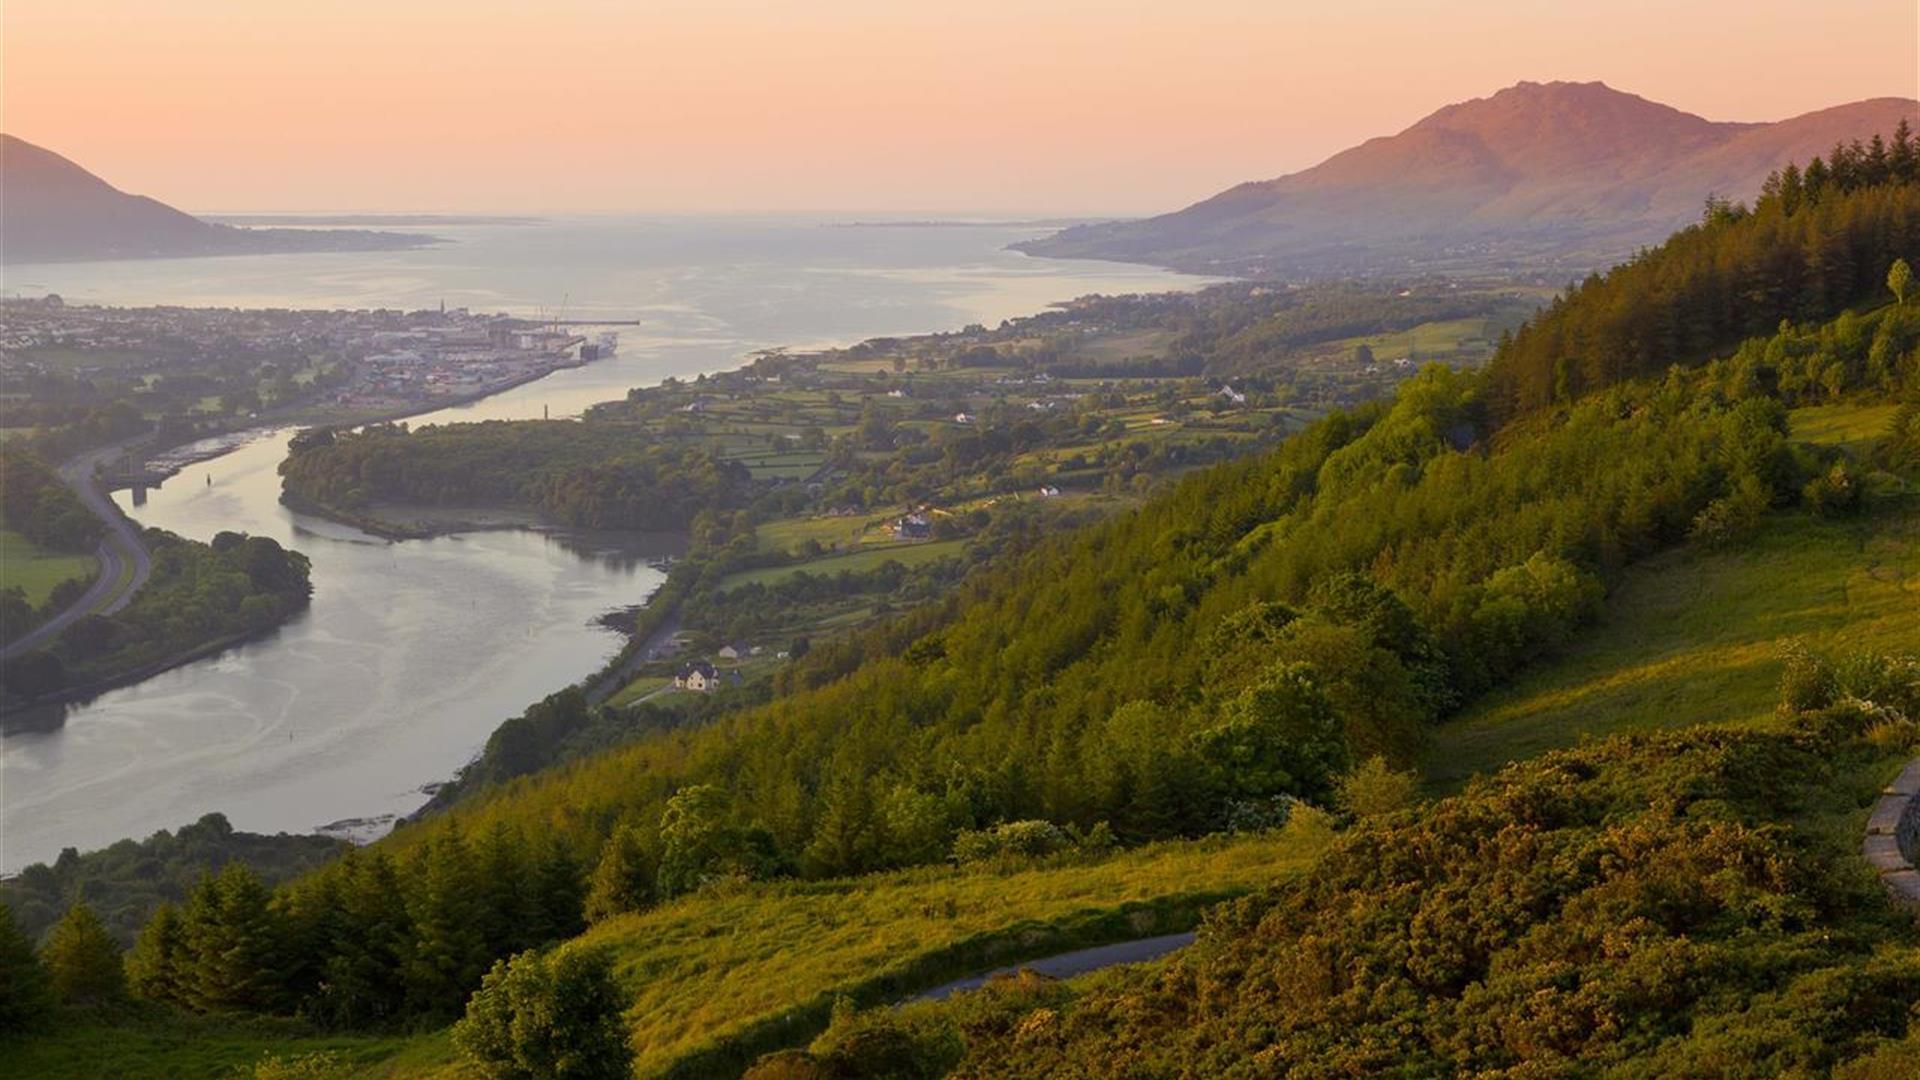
559, 897
156, 966
449, 946
847, 839
363, 974
82, 959
511, 919
622, 881
26, 1000
233, 944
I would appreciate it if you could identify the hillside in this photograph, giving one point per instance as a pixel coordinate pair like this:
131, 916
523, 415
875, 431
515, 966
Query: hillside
1554, 174
57, 211
1465, 574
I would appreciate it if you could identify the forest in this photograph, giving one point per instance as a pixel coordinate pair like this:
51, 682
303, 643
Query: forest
1817, 240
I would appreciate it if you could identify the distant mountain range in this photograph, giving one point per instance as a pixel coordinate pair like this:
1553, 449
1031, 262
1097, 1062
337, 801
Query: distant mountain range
1539, 174
52, 210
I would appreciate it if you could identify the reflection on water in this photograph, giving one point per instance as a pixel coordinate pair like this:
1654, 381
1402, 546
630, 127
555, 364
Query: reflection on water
413, 652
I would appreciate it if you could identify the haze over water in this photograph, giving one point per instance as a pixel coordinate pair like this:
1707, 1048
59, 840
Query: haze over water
413, 652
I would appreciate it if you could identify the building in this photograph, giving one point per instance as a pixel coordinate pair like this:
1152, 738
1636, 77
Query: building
913, 527
732, 651
698, 676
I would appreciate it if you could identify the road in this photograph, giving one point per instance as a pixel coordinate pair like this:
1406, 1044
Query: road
621, 676
125, 563
1067, 965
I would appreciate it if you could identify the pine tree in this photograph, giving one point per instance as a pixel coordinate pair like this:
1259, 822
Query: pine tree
82, 959
363, 975
155, 966
511, 920
233, 940
26, 1000
846, 839
449, 946
622, 881
559, 892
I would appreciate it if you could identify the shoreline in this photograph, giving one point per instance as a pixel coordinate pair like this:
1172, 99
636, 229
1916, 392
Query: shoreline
88, 691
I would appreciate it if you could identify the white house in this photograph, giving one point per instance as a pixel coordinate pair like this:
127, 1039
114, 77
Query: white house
699, 677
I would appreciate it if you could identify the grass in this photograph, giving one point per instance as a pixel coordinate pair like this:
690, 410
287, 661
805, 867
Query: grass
1694, 636
637, 689
787, 534
1845, 425
872, 558
727, 976
36, 570
151, 1043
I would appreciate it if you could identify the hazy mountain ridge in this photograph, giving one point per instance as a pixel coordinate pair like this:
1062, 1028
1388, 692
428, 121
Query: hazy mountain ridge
1546, 173
53, 210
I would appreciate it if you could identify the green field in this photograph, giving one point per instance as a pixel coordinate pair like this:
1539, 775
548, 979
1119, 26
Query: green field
1847, 425
787, 534
637, 689
870, 558
1694, 636
35, 570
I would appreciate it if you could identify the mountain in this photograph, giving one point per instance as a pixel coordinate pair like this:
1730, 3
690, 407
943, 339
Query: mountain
1539, 173
55, 211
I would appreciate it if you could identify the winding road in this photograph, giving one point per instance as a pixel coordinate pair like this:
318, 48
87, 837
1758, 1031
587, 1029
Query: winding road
1067, 965
125, 563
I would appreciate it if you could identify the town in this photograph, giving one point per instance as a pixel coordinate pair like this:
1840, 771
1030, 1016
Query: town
192, 365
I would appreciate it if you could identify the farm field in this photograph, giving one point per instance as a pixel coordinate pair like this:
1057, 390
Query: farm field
35, 570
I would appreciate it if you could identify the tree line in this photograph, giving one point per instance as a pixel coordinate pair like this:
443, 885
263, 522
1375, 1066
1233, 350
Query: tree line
590, 475
1816, 240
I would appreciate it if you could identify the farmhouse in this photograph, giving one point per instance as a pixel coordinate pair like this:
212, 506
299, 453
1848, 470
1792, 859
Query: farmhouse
698, 676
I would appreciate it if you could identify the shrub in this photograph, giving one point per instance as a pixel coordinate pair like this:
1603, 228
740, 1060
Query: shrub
1834, 493
553, 1017
1807, 682
316, 1066
1374, 789
1732, 517
1011, 842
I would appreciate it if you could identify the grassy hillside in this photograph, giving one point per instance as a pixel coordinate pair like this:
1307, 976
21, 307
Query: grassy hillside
1694, 636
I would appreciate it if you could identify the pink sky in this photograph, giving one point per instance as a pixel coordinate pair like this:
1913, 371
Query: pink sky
1076, 106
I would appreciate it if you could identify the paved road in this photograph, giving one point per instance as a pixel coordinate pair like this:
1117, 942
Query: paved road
623, 675
1067, 965
125, 563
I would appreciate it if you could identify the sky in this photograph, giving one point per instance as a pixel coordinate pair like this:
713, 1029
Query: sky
887, 106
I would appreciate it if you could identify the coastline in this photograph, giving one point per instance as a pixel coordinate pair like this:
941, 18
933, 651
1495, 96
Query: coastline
88, 691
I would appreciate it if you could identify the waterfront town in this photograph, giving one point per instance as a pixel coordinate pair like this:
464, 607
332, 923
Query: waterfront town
368, 362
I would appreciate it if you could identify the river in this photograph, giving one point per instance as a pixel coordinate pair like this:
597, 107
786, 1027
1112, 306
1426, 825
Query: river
412, 652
